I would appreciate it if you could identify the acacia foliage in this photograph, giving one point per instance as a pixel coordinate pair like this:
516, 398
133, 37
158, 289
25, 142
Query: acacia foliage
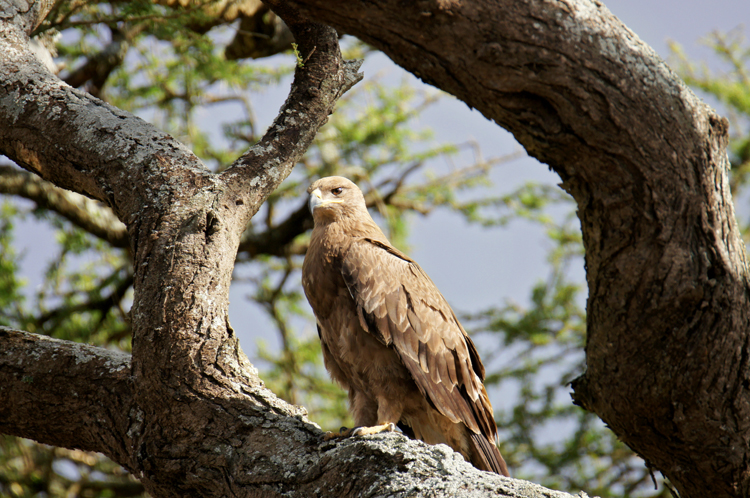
169, 65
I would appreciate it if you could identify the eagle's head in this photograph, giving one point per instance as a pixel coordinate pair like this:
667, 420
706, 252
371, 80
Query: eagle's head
335, 198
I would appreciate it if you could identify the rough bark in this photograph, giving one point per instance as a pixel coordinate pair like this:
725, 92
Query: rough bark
667, 348
64, 393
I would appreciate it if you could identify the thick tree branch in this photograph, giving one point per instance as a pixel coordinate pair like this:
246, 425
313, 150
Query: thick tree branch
26, 15
78, 142
65, 394
81, 396
84, 213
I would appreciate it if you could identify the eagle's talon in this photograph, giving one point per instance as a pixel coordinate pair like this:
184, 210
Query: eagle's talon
377, 429
360, 431
343, 432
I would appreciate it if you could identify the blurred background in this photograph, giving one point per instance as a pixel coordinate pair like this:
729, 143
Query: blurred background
455, 191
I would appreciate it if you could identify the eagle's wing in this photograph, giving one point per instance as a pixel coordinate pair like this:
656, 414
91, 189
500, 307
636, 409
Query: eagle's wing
399, 304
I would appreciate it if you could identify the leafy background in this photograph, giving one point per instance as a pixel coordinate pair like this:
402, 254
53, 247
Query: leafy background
489, 225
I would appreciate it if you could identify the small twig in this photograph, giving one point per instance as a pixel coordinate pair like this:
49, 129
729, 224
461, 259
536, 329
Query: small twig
310, 55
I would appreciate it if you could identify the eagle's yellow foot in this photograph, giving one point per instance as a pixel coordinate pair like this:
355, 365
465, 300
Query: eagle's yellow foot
360, 431
343, 432
376, 429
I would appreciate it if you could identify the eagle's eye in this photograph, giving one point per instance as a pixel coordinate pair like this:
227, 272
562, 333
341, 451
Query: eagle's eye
337, 190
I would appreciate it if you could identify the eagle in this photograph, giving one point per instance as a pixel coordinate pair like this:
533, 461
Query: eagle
388, 335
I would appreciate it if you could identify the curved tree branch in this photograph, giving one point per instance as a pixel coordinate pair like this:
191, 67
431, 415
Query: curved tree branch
76, 141
318, 83
65, 394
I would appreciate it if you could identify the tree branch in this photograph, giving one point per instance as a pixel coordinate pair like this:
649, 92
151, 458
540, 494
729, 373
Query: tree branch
65, 394
318, 83
76, 141
81, 396
84, 213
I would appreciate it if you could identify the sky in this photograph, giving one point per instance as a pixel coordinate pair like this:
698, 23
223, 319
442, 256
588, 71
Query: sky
475, 267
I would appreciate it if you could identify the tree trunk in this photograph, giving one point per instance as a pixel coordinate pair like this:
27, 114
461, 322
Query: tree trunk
644, 159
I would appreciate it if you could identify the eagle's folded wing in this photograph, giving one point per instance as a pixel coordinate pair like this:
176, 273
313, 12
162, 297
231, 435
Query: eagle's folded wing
399, 304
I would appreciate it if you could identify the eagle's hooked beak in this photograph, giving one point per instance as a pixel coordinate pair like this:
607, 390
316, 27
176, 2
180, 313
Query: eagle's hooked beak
316, 200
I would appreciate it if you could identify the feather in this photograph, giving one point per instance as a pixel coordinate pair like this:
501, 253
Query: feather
487, 455
423, 357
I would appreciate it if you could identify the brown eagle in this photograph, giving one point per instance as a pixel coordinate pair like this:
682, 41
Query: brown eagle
389, 337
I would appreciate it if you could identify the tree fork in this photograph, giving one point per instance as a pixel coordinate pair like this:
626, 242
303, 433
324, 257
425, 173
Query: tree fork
667, 343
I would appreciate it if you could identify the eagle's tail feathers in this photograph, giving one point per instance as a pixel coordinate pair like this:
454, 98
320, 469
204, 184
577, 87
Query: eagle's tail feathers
486, 456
